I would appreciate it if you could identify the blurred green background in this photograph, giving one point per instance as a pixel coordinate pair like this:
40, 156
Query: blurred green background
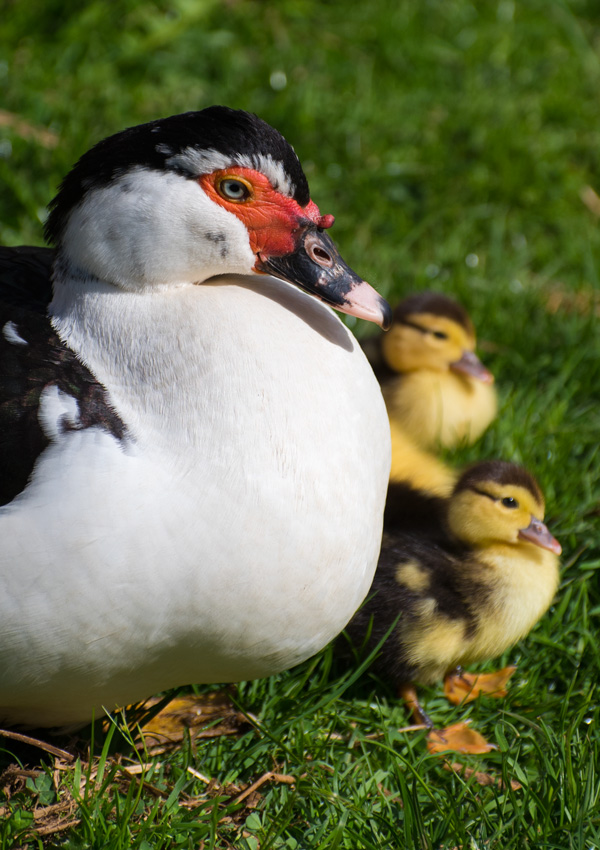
432, 130
458, 145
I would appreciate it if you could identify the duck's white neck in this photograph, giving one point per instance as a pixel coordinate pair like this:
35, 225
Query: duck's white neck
191, 366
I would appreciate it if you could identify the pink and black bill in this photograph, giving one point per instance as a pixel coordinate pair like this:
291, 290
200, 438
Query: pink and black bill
317, 267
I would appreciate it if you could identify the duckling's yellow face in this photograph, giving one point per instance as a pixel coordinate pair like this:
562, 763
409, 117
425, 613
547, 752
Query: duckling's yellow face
425, 341
490, 513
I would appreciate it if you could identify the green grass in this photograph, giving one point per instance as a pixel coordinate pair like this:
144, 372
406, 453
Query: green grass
452, 140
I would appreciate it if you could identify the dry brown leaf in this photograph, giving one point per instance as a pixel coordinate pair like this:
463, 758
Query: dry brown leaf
459, 738
207, 716
465, 687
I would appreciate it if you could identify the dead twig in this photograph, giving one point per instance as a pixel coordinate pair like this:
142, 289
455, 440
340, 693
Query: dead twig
266, 777
34, 742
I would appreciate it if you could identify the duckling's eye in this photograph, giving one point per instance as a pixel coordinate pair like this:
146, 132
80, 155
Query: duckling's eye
509, 502
233, 190
439, 334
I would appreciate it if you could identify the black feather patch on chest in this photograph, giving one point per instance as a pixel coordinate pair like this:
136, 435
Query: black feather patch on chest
32, 359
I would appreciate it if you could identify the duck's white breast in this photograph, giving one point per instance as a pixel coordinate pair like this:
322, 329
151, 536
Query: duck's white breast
232, 535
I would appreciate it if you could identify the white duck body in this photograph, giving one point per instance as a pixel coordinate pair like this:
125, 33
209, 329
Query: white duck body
237, 526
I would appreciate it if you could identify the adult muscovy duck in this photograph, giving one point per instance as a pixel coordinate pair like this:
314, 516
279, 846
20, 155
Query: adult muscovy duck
194, 453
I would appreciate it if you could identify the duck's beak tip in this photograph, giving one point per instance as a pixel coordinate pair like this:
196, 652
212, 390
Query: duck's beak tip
317, 267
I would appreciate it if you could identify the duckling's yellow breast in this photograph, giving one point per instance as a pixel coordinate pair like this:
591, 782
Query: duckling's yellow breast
521, 587
440, 407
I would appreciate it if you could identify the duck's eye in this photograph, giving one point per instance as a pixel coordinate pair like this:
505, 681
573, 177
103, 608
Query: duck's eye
439, 334
509, 502
234, 190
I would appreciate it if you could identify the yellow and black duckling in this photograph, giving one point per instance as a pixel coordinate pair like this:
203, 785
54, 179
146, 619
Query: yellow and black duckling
462, 578
437, 391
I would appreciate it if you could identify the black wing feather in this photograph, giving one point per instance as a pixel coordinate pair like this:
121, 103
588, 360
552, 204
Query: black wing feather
32, 357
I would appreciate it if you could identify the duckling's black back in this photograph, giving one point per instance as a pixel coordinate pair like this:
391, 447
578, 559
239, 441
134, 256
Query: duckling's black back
418, 577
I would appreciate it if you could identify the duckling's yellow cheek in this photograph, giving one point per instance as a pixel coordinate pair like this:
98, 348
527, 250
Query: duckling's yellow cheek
412, 576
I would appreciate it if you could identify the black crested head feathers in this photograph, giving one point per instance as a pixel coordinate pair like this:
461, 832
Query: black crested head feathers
436, 304
159, 144
500, 472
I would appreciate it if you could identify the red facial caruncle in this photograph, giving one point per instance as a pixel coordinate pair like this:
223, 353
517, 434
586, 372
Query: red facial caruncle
273, 220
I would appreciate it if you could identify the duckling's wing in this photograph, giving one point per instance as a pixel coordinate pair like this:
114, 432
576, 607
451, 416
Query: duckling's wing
415, 512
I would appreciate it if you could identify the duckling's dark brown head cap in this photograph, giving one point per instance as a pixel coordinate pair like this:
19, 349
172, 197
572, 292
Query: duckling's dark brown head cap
436, 304
500, 472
